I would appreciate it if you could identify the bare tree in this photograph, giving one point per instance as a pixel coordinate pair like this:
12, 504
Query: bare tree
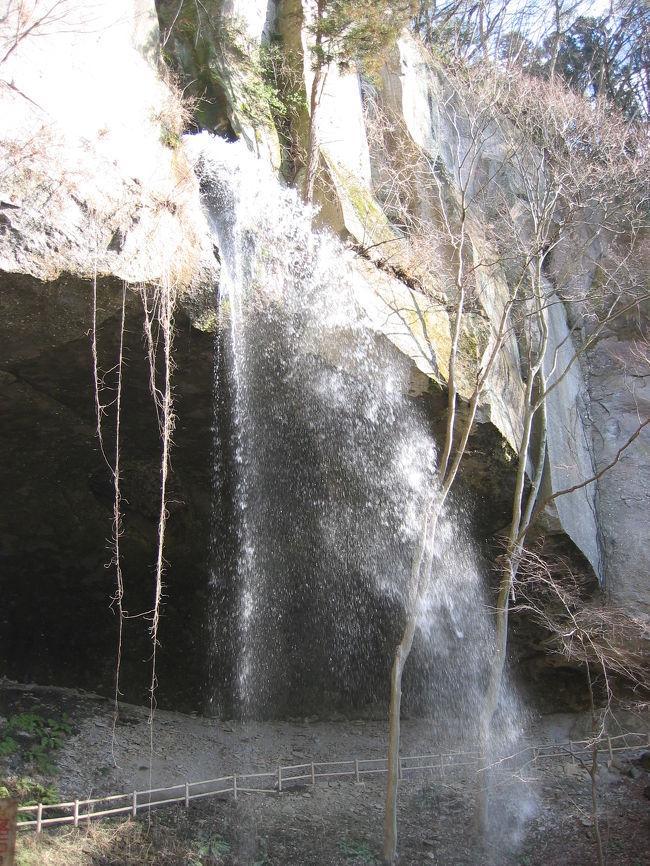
579, 170
469, 27
606, 642
451, 213
24, 19
563, 13
574, 178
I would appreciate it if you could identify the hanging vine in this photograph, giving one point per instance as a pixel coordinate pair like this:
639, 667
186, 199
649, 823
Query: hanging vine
97, 380
114, 468
158, 305
118, 598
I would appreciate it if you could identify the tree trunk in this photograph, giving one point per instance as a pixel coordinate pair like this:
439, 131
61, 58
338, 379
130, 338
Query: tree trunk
594, 769
419, 581
313, 150
313, 147
390, 818
491, 700
521, 516
557, 14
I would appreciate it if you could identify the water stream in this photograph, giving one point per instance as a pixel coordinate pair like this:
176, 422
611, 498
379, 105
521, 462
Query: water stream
323, 460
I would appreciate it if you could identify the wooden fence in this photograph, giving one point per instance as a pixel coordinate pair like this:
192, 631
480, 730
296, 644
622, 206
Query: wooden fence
442, 764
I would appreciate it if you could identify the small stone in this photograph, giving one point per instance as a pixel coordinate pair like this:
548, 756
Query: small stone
573, 770
644, 762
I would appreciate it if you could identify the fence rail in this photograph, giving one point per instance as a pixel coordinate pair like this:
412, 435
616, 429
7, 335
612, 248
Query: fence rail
294, 775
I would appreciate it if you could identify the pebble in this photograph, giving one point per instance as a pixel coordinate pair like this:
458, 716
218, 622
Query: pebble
644, 761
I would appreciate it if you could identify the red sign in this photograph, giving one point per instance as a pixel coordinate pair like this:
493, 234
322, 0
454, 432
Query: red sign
8, 814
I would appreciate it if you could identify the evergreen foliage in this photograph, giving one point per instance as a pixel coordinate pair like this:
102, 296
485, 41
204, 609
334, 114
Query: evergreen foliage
357, 31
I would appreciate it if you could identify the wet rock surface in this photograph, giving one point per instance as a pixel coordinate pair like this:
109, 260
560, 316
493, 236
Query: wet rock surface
56, 519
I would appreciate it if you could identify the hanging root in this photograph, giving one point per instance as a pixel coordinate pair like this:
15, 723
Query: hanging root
158, 305
98, 381
117, 528
114, 469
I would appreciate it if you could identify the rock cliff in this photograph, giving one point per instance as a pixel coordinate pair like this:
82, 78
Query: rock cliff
96, 189
95, 192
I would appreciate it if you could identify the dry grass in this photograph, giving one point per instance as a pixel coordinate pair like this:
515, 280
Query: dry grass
80, 846
177, 109
127, 843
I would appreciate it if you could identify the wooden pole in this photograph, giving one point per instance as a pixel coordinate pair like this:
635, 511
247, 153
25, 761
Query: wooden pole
537, 753
8, 829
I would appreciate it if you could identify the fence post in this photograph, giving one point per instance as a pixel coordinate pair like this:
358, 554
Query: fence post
538, 752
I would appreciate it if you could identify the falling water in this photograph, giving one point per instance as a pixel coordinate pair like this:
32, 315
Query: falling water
324, 461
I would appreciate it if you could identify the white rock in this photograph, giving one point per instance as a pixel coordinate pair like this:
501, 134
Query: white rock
86, 155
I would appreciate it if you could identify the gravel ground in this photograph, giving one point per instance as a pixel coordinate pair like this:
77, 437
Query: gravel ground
541, 816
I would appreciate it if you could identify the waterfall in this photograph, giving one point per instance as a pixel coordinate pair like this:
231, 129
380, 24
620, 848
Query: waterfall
323, 463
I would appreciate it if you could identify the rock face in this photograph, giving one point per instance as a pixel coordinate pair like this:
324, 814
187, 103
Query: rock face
418, 322
94, 190
92, 181
216, 50
620, 400
570, 449
586, 427
56, 511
